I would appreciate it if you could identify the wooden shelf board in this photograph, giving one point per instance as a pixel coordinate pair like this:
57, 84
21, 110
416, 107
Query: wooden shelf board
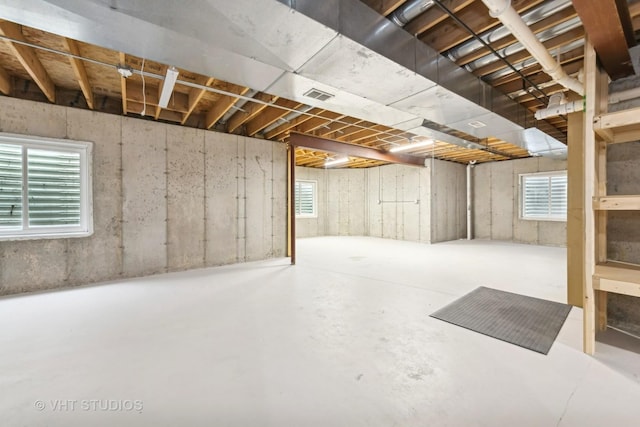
619, 126
617, 203
618, 278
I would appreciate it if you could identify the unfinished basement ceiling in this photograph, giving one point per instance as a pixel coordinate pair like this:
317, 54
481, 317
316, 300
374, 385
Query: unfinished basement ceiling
270, 92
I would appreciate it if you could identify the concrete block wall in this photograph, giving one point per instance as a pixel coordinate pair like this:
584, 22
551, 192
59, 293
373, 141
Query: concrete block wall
165, 198
496, 198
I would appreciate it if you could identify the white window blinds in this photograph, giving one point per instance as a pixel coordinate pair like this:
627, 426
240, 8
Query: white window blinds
44, 188
305, 205
544, 196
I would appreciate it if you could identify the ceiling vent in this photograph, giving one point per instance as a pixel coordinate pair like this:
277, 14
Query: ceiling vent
318, 94
476, 124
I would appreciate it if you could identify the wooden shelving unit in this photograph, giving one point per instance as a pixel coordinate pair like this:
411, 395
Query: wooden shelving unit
621, 126
601, 129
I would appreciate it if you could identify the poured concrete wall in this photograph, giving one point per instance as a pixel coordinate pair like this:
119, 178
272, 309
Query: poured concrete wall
391, 201
496, 209
400, 203
313, 227
448, 201
346, 202
623, 229
165, 198
341, 203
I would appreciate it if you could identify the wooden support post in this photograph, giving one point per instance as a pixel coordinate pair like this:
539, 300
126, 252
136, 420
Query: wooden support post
575, 209
591, 75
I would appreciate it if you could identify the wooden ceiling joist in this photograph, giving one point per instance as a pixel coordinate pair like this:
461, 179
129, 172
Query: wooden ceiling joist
222, 105
283, 128
568, 37
249, 111
449, 33
334, 127
271, 115
29, 60
195, 96
123, 83
608, 24
80, 71
383, 7
539, 26
434, 16
317, 122
5, 82
179, 101
160, 88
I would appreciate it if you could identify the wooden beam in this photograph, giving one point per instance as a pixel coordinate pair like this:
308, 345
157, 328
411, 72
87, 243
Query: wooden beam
434, 16
317, 122
333, 127
332, 146
618, 277
28, 58
123, 83
195, 95
5, 82
361, 134
251, 110
383, 7
449, 34
222, 105
172, 116
80, 71
590, 187
179, 102
160, 86
568, 37
292, 123
537, 27
575, 208
608, 24
617, 203
271, 115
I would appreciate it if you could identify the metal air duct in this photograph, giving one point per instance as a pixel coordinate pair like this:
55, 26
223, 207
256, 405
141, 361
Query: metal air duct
410, 10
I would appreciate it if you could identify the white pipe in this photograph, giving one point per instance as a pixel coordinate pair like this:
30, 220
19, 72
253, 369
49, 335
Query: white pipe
470, 200
557, 110
502, 10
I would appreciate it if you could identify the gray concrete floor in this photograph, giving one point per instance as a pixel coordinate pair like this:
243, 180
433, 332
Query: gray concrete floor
342, 339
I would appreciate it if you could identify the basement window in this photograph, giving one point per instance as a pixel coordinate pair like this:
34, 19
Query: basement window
543, 196
45, 188
306, 199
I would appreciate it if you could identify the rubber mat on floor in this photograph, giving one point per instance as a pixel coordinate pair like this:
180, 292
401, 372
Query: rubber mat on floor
528, 322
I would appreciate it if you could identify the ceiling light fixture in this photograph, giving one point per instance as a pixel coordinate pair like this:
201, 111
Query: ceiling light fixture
167, 86
124, 70
411, 146
334, 162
